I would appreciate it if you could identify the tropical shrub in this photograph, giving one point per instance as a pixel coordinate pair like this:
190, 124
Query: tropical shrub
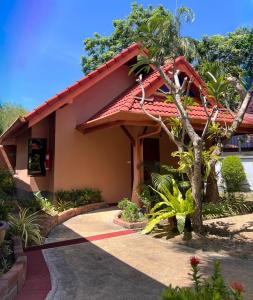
6, 181
233, 173
211, 288
45, 204
33, 204
130, 211
172, 204
148, 197
79, 197
62, 205
162, 175
25, 225
227, 207
4, 210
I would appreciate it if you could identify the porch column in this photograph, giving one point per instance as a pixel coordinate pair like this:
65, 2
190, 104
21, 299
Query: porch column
137, 169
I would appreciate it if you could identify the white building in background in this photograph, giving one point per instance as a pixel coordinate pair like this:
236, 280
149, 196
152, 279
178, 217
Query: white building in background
241, 146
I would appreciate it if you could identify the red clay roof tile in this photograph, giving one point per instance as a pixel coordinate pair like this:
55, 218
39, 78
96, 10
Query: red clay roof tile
126, 102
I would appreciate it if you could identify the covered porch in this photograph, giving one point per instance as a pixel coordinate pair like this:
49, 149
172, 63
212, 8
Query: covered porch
148, 145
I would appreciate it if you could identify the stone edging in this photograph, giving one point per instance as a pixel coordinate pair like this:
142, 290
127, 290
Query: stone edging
131, 225
11, 283
48, 222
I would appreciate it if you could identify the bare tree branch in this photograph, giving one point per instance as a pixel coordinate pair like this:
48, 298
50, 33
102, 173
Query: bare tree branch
209, 119
241, 112
189, 87
182, 112
184, 85
152, 117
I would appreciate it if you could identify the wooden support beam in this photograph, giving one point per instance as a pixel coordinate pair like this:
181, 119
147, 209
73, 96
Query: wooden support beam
138, 173
137, 170
87, 129
128, 134
6, 159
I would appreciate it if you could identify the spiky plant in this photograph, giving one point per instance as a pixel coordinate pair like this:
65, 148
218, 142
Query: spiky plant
25, 225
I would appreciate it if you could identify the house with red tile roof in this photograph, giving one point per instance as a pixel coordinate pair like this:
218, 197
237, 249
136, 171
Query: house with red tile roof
94, 133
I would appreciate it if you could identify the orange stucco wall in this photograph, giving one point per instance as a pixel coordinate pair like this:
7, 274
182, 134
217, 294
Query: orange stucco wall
21, 177
100, 159
43, 129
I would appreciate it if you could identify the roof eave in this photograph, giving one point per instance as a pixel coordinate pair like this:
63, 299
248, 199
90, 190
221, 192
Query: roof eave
14, 127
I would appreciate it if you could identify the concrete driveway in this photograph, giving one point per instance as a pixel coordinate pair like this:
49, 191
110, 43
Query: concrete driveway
124, 265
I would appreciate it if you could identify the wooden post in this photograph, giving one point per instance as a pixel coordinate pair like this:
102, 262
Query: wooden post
137, 169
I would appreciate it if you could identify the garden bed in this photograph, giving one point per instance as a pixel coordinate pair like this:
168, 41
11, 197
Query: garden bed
48, 222
130, 225
11, 282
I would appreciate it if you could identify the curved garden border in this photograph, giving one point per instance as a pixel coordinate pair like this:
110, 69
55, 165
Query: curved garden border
131, 225
48, 222
11, 283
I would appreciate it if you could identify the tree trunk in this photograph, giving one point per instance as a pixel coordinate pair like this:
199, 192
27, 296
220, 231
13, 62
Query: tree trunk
196, 183
212, 191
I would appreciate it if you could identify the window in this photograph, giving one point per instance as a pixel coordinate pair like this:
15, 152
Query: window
36, 157
239, 143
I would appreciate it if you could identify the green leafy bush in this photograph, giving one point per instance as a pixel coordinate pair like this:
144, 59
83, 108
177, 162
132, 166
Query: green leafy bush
6, 257
45, 204
6, 182
25, 225
130, 211
62, 205
226, 207
211, 288
78, 197
32, 204
4, 210
233, 173
147, 197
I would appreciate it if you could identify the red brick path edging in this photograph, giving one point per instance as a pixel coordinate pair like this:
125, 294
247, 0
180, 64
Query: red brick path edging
38, 283
12, 282
131, 225
91, 238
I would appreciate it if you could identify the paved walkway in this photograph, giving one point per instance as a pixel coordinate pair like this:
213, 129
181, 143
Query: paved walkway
124, 265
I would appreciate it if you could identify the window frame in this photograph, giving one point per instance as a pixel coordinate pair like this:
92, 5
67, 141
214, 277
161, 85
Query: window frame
42, 153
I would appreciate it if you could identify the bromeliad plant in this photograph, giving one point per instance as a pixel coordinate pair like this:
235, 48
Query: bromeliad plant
172, 204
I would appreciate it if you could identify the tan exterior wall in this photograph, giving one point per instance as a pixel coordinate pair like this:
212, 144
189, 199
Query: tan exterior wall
100, 159
97, 160
21, 177
43, 129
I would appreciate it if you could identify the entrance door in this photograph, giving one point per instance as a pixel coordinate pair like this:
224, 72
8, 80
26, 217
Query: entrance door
151, 155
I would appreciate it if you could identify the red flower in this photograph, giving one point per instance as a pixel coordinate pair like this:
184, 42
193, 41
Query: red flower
237, 287
194, 261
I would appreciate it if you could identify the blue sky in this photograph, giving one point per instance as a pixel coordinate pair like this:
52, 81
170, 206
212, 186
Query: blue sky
41, 41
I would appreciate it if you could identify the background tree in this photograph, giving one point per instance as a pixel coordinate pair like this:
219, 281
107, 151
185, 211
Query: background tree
99, 49
232, 52
9, 113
